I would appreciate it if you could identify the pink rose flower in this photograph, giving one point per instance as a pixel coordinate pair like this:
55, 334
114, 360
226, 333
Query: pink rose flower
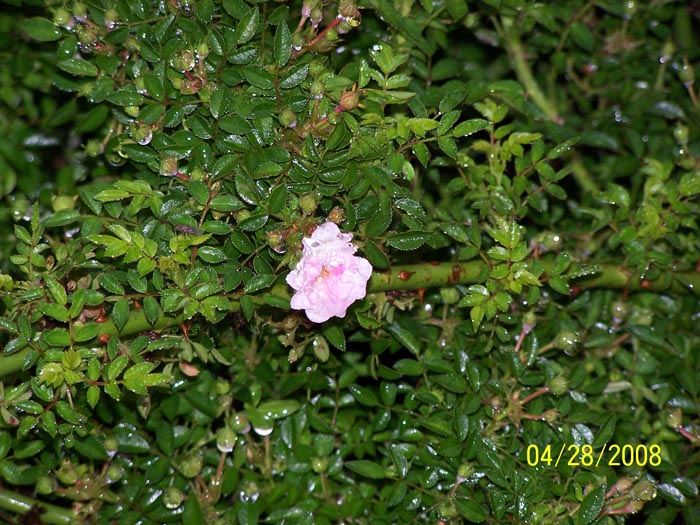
329, 277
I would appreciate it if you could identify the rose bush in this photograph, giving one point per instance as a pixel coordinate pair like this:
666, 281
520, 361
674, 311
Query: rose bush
349, 262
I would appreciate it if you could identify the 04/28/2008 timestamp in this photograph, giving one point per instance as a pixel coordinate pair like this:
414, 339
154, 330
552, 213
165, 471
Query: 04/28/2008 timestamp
611, 455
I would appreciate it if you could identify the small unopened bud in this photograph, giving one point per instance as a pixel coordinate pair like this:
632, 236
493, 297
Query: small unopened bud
568, 341
550, 416
202, 50
644, 490
558, 385
63, 18
173, 497
316, 15
332, 34
674, 418
184, 61
349, 100
226, 439
308, 203
287, 118
317, 88
319, 465
111, 18
465, 471
44, 485
336, 215
275, 239
168, 166
191, 466
80, 11
623, 485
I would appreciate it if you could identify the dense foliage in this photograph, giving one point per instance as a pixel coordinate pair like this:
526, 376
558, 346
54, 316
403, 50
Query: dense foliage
523, 179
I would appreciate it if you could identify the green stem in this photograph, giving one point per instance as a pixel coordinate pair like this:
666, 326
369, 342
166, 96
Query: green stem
411, 277
522, 70
21, 504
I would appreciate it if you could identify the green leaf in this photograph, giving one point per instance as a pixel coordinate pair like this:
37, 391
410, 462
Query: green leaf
41, 29
257, 283
151, 309
368, 469
468, 127
408, 240
120, 312
591, 506
56, 337
405, 337
279, 408
62, 218
110, 283
211, 255
56, 311
78, 67
335, 336
245, 29
364, 395
283, 44
56, 291
116, 367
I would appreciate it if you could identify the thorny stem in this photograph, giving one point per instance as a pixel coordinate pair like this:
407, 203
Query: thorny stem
21, 504
414, 277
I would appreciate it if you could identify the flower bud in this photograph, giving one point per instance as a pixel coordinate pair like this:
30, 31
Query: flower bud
308, 203
568, 341
644, 490
80, 11
319, 465
619, 311
115, 473
336, 215
132, 111
317, 88
225, 439
111, 18
191, 466
44, 485
349, 100
558, 385
67, 474
449, 295
550, 416
674, 418
63, 18
173, 498
687, 74
202, 50
287, 118
141, 133
239, 423
465, 471
332, 34
316, 15
183, 61
448, 510
168, 166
